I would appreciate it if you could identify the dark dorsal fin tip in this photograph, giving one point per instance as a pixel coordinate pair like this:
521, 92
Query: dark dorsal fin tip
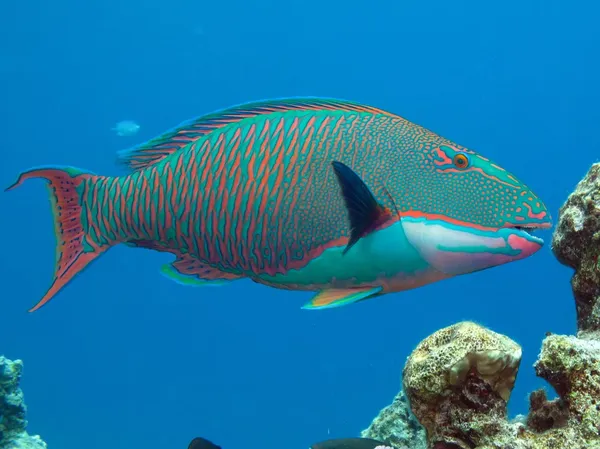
158, 148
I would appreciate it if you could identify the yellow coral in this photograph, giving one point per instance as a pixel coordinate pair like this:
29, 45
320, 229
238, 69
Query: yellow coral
443, 360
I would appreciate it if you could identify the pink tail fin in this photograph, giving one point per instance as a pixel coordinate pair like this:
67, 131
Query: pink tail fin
73, 251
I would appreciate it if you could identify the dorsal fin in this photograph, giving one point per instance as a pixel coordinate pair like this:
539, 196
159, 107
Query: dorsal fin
158, 148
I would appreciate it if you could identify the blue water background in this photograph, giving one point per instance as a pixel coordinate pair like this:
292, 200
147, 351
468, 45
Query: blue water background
125, 358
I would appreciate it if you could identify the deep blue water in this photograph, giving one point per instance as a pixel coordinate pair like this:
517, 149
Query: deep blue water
125, 358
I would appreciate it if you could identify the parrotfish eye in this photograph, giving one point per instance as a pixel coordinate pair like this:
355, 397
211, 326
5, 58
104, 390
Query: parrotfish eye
461, 160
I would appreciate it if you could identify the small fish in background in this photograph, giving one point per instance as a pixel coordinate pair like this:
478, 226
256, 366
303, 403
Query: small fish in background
350, 443
202, 443
126, 128
337, 443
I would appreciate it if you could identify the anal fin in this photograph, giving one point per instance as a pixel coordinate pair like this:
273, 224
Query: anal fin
327, 299
187, 270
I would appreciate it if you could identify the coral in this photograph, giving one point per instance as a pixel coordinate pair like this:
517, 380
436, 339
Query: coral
468, 410
458, 380
572, 366
13, 410
396, 426
576, 243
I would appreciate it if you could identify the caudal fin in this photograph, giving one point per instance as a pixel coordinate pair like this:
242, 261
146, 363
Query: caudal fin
73, 251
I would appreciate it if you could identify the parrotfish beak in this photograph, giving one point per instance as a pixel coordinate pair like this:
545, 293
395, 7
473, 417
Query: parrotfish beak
530, 220
530, 215
523, 238
455, 249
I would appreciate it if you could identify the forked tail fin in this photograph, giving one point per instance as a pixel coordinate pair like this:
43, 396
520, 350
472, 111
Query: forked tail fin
73, 250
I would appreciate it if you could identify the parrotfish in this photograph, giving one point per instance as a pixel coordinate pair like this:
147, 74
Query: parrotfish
324, 195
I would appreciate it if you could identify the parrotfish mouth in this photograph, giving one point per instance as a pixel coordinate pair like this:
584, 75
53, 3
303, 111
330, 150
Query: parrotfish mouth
458, 248
528, 230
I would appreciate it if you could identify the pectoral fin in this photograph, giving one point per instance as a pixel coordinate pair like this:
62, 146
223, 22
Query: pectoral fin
327, 299
364, 211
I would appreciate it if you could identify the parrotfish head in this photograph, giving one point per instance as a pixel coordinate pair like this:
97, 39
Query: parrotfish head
468, 214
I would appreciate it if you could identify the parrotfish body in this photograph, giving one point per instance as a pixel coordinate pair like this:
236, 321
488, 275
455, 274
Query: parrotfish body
312, 194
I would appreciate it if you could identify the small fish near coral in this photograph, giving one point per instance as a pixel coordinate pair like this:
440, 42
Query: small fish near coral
339, 443
331, 196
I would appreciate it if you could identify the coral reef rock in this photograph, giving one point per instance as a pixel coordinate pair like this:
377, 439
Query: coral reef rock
572, 366
13, 410
396, 426
576, 243
458, 380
